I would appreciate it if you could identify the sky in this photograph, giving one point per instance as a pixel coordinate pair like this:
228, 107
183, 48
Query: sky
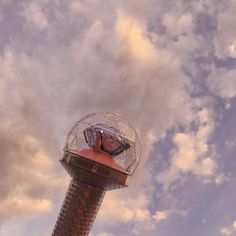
168, 66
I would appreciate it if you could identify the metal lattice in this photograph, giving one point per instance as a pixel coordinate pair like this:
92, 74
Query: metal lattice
79, 210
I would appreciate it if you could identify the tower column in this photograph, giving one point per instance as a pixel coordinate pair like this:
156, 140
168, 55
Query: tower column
79, 209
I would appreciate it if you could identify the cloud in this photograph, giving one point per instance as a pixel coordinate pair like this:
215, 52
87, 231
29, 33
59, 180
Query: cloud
35, 16
22, 205
229, 230
130, 210
161, 215
222, 82
131, 35
125, 211
166, 214
230, 144
192, 153
105, 234
26, 164
134, 211
178, 24
102, 234
224, 41
225, 231
221, 178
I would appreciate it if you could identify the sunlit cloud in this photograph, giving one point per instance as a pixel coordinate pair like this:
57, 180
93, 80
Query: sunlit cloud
161, 215
192, 153
131, 34
229, 230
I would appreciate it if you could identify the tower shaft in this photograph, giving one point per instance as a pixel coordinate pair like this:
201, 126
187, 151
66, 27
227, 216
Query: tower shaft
79, 209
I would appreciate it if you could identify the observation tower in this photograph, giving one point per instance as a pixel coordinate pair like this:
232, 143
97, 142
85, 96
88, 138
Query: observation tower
101, 153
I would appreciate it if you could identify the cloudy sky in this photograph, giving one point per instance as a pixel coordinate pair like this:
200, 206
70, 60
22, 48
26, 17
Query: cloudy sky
169, 66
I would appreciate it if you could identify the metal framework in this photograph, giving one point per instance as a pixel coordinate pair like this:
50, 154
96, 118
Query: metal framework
79, 210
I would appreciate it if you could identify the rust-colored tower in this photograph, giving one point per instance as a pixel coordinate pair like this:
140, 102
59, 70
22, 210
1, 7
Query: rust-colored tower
101, 153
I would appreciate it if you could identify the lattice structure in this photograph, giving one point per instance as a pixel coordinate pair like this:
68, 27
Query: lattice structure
79, 210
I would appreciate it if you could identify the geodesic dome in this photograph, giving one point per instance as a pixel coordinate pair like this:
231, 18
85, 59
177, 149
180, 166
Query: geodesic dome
108, 133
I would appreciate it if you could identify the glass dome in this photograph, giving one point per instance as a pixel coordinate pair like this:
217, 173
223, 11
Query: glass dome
107, 133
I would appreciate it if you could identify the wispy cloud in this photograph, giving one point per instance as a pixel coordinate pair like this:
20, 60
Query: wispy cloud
34, 16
